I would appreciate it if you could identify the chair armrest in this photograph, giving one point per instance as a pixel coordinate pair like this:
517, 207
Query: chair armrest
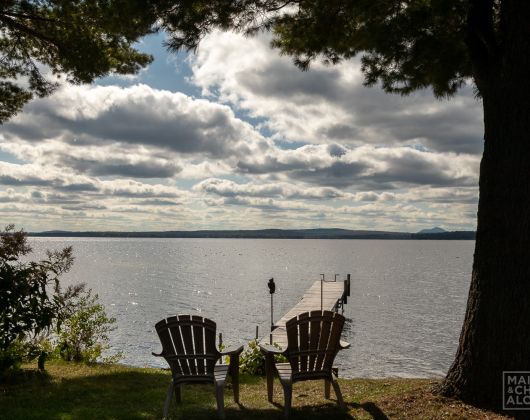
344, 345
161, 354
232, 350
267, 348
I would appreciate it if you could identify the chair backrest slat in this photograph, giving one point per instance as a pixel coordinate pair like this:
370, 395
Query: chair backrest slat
333, 344
303, 335
198, 340
167, 342
292, 343
323, 340
313, 342
187, 337
174, 327
209, 342
188, 344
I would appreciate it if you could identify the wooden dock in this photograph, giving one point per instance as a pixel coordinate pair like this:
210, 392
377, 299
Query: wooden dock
332, 296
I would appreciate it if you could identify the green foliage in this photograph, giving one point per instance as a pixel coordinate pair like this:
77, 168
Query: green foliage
83, 335
12, 355
31, 299
252, 361
79, 40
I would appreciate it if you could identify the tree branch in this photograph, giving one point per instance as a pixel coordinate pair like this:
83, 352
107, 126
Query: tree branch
23, 28
281, 6
25, 16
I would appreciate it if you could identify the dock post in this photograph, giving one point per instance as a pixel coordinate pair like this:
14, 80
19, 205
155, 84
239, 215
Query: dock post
272, 289
257, 332
272, 309
322, 292
221, 347
349, 284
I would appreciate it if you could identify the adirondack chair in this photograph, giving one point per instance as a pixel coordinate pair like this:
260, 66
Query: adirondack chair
313, 341
188, 345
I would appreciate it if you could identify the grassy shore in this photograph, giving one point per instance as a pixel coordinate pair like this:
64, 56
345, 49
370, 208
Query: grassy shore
78, 391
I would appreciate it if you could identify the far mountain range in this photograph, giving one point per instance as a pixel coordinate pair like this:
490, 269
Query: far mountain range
434, 233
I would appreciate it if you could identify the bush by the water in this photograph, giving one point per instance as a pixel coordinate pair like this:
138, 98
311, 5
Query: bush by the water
83, 336
31, 299
252, 360
36, 314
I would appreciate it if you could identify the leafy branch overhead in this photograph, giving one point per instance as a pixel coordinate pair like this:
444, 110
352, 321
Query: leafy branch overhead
42, 41
405, 45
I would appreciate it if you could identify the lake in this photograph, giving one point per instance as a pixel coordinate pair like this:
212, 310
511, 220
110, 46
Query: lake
404, 315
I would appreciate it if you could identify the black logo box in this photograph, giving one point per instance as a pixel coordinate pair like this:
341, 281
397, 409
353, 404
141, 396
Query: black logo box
516, 390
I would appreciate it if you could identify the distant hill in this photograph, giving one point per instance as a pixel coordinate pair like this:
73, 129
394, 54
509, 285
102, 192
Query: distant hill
433, 230
268, 234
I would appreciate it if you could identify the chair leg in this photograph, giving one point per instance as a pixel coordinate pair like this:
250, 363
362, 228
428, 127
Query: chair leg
269, 370
234, 374
287, 395
178, 394
336, 388
219, 396
326, 388
168, 399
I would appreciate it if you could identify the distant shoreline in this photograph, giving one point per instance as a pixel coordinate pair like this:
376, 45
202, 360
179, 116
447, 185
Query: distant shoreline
267, 234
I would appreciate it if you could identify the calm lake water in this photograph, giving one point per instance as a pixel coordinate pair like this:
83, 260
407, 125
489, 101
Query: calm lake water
403, 317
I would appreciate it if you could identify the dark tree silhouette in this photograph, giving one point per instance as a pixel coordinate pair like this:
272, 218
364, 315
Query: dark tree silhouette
414, 44
77, 39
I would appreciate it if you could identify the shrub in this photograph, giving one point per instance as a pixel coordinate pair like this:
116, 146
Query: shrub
252, 360
83, 335
31, 299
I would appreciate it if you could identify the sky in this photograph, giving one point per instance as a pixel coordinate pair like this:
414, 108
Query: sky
234, 136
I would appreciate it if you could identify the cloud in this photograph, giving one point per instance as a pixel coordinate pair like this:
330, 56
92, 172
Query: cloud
329, 103
34, 175
54, 181
138, 115
121, 167
366, 167
267, 146
229, 189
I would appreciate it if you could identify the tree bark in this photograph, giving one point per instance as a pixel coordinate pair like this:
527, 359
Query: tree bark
496, 333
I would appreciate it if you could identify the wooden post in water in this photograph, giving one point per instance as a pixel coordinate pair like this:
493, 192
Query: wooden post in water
272, 311
221, 347
346, 293
322, 292
272, 289
257, 332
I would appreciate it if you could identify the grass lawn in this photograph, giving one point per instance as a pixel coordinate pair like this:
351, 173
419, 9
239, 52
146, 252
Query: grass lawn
79, 391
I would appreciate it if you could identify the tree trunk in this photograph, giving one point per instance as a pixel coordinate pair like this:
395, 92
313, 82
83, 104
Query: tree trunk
496, 333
